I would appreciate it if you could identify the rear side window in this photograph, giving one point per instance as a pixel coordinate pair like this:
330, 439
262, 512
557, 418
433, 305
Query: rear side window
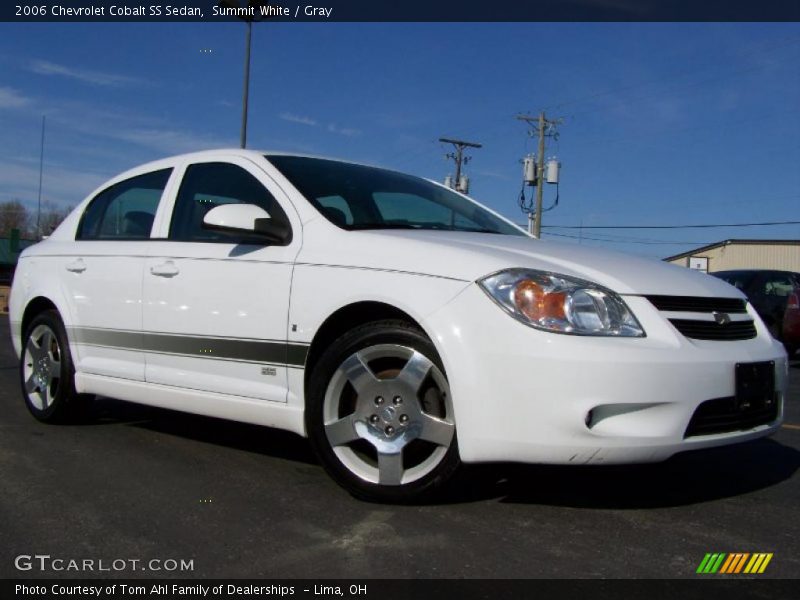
207, 185
778, 284
126, 210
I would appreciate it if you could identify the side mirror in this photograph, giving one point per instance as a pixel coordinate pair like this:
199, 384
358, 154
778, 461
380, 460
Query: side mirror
247, 219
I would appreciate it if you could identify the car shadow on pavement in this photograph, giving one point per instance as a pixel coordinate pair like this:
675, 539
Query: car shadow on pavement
240, 436
687, 478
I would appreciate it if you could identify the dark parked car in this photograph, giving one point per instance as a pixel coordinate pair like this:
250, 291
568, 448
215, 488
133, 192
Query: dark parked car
774, 295
791, 323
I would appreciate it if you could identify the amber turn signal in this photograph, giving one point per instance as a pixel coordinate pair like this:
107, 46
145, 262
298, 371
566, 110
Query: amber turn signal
536, 303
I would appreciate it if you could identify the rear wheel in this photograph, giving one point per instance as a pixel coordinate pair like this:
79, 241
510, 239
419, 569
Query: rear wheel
380, 415
46, 371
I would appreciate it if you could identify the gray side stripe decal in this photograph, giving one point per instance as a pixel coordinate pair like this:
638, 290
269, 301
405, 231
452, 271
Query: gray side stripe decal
231, 349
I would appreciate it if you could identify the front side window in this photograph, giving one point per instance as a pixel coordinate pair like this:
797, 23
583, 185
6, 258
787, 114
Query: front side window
207, 185
358, 197
126, 210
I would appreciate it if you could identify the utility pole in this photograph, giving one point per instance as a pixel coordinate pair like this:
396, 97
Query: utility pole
460, 159
542, 127
41, 172
249, 13
246, 91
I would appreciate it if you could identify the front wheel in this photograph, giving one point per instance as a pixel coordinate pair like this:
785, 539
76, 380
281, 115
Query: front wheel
380, 414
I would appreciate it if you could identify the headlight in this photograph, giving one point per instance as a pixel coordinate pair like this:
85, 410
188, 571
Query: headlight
561, 304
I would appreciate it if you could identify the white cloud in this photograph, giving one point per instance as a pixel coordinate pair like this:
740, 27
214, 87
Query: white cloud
44, 67
10, 98
493, 174
60, 185
292, 118
332, 127
348, 131
128, 126
170, 141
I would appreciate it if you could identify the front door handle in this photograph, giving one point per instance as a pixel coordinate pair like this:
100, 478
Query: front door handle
167, 269
76, 266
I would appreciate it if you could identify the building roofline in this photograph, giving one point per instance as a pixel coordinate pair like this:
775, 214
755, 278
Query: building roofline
730, 243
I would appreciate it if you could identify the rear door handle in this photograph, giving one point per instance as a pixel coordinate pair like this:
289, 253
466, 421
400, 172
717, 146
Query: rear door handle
77, 266
167, 269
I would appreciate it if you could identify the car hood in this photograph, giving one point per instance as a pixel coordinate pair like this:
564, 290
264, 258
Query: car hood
471, 256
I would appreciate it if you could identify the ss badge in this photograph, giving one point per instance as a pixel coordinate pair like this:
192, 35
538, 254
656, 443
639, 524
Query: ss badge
271, 371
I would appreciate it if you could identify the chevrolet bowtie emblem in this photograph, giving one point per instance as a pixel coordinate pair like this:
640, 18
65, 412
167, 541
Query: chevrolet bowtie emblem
722, 318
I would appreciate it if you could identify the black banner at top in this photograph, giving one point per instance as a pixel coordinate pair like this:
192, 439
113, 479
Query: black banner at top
403, 11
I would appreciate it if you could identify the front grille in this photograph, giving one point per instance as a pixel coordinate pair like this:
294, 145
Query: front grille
698, 304
722, 415
707, 329
711, 330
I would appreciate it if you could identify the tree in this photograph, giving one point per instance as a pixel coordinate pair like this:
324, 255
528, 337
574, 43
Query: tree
51, 217
14, 215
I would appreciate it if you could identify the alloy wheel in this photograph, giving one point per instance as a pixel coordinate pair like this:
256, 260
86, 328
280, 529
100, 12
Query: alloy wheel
42, 367
388, 415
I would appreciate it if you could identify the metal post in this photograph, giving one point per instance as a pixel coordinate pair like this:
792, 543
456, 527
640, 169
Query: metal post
41, 171
246, 92
537, 225
543, 128
459, 157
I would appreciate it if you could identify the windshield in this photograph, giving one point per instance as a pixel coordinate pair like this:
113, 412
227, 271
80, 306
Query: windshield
357, 197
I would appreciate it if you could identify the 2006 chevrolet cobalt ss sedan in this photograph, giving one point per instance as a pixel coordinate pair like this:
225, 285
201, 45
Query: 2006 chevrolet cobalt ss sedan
402, 327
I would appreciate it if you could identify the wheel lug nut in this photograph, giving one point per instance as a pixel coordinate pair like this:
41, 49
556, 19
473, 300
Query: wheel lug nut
389, 430
378, 400
373, 419
404, 418
397, 400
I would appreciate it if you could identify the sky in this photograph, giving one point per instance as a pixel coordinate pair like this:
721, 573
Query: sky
663, 124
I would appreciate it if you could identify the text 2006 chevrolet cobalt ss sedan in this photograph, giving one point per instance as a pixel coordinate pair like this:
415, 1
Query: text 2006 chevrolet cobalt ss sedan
401, 326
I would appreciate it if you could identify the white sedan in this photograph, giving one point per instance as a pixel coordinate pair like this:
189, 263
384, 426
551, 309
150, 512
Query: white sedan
401, 326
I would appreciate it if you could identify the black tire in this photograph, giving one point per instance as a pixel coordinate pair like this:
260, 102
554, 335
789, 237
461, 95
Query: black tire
400, 400
47, 374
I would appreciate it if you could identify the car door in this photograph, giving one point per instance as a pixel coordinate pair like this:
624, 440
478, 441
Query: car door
103, 281
216, 304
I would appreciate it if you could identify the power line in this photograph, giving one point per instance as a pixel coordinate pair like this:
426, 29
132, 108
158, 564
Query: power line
642, 242
625, 90
704, 226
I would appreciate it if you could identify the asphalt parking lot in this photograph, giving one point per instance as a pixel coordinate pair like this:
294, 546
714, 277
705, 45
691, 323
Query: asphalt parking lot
242, 501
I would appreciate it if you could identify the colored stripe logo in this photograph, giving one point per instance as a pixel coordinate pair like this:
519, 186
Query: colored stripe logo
734, 563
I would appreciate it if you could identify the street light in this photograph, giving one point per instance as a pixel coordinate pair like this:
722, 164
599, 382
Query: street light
255, 15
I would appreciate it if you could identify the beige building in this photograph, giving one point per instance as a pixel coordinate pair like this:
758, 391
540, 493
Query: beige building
782, 255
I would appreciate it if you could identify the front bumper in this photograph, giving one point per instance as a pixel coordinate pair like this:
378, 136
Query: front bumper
524, 395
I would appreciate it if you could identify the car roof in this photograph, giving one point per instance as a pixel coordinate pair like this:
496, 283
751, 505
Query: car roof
252, 154
754, 272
